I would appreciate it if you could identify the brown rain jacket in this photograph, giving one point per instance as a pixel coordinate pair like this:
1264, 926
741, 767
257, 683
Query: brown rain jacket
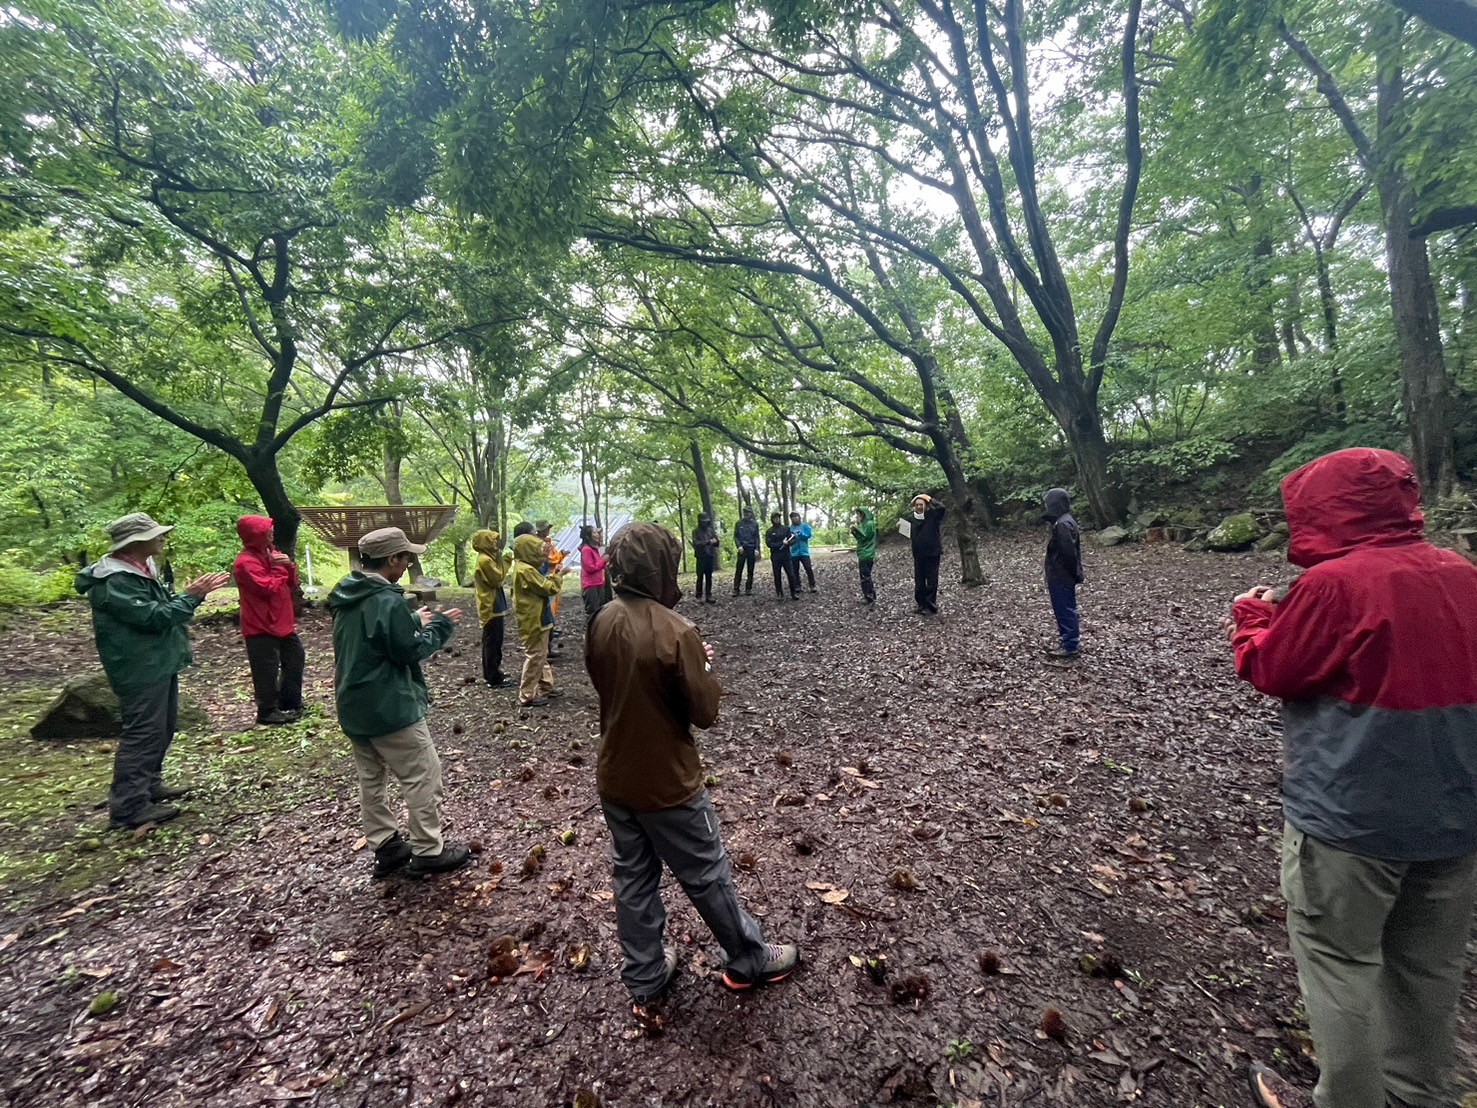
648, 666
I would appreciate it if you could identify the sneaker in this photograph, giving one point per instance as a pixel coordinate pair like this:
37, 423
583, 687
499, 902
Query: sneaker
710, 600
782, 963
152, 813
293, 714
536, 702
274, 719
392, 857
1062, 655
735, 592
669, 974
814, 589
553, 694
453, 856
502, 681
747, 592
168, 792
1268, 1090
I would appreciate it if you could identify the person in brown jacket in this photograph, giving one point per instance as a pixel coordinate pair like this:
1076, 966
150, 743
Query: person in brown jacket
653, 674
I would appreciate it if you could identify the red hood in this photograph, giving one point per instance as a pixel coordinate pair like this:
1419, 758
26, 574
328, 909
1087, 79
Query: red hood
1349, 499
255, 532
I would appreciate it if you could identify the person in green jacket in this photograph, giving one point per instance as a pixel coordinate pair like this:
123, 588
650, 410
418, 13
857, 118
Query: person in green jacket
864, 530
378, 647
493, 563
139, 625
533, 594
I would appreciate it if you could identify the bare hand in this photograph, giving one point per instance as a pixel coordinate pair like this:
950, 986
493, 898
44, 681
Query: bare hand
280, 559
453, 614
1228, 628
425, 615
1256, 592
202, 587
708, 652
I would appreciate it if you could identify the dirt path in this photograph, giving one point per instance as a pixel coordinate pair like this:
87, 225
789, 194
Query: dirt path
1121, 815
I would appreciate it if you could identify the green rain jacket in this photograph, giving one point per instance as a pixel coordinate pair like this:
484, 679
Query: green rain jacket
378, 647
866, 537
139, 624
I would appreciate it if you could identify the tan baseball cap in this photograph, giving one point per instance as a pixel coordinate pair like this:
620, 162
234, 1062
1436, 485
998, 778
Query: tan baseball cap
386, 541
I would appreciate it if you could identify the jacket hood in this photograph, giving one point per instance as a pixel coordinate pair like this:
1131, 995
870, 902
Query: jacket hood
529, 549
355, 589
486, 542
255, 532
105, 566
1348, 499
1057, 504
866, 514
642, 561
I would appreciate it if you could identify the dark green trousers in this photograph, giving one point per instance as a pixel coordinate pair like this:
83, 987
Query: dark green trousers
1381, 953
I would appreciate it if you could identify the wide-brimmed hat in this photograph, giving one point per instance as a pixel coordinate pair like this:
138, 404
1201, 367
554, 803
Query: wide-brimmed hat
387, 541
137, 527
543, 527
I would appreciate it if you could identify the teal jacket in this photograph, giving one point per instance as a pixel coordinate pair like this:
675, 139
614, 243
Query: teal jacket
800, 548
866, 537
378, 647
139, 624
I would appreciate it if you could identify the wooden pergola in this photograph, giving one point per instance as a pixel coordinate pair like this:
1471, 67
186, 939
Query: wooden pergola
343, 527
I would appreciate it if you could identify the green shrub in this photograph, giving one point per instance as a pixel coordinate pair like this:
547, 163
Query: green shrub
1175, 461
20, 587
1267, 486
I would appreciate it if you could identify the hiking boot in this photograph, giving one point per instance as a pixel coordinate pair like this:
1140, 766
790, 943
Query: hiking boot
782, 963
453, 856
293, 714
735, 592
1268, 1090
553, 694
536, 702
152, 813
710, 600
274, 719
669, 974
392, 857
501, 681
1062, 655
168, 792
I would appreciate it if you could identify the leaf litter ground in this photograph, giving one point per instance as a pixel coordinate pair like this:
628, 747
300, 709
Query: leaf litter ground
1012, 883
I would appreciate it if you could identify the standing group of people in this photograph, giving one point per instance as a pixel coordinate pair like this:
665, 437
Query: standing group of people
1372, 650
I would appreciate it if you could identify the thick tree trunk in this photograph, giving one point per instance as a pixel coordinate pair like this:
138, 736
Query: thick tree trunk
1107, 499
700, 473
970, 517
266, 479
1427, 386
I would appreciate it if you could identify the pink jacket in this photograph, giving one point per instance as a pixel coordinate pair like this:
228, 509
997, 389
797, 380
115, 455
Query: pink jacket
592, 567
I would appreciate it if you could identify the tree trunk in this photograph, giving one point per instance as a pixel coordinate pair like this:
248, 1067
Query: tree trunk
391, 480
700, 472
1106, 498
266, 479
1427, 387
1330, 308
970, 519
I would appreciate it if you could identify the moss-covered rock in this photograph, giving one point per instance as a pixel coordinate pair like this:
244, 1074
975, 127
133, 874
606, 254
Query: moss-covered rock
1234, 533
1275, 539
87, 708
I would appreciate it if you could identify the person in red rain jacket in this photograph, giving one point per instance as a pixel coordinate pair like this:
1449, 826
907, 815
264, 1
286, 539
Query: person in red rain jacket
267, 579
1373, 652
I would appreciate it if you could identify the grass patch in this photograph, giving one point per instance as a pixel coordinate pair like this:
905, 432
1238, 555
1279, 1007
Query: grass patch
54, 834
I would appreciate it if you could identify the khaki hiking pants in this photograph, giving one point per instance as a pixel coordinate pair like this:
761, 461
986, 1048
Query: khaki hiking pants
537, 678
1381, 953
411, 757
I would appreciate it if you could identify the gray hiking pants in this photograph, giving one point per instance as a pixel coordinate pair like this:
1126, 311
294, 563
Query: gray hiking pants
1381, 954
686, 839
149, 717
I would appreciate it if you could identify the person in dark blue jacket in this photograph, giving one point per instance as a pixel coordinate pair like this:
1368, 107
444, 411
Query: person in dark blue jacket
1063, 571
925, 533
746, 544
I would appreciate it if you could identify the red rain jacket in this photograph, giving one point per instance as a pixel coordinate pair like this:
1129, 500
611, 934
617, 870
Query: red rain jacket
1374, 653
266, 588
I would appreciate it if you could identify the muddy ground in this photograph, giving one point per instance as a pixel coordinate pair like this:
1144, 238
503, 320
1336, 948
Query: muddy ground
1097, 841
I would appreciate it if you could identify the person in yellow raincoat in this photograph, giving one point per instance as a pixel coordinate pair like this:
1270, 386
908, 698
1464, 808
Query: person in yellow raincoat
493, 563
553, 563
533, 595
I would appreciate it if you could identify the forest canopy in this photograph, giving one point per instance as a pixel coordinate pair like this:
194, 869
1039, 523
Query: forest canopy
680, 257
